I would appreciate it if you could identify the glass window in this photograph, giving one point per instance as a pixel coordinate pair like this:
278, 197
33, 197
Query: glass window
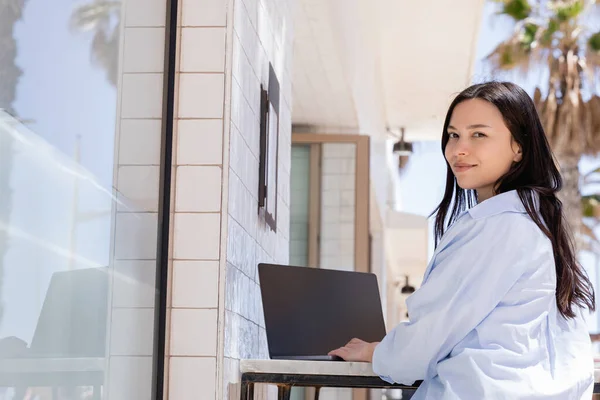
78, 208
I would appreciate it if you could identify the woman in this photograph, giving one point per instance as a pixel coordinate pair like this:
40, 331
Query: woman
499, 313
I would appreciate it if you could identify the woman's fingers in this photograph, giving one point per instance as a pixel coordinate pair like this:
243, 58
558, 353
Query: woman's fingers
354, 342
355, 350
351, 351
341, 352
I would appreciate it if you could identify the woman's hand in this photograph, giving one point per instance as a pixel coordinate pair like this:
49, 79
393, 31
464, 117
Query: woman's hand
356, 350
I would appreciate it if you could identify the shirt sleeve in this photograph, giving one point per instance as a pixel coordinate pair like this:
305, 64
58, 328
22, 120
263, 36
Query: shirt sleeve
469, 277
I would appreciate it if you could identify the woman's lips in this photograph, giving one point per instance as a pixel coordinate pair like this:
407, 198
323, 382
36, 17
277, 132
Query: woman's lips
463, 167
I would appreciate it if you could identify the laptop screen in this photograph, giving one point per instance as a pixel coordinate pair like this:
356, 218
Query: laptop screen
310, 311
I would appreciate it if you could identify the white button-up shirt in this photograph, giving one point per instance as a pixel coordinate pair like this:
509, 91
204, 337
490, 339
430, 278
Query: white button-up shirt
485, 324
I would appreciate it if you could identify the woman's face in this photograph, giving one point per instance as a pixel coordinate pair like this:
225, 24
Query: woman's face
480, 147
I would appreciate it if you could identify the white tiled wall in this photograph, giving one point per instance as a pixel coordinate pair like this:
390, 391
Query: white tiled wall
200, 141
136, 181
338, 203
142, 94
259, 37
195, 284
197, 235
201, 94
218, 237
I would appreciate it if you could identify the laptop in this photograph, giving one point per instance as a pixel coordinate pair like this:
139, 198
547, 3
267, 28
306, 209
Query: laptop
310, 311
72, 322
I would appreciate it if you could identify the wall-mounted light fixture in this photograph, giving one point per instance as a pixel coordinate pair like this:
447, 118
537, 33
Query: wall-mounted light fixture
402, 148
407, 289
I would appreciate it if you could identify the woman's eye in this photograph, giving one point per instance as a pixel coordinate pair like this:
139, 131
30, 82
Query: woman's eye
479, 134
452, 135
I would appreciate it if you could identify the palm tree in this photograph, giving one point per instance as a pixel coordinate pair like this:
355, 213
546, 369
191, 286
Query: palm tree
10, 14
102, 17
590, 204
553, 34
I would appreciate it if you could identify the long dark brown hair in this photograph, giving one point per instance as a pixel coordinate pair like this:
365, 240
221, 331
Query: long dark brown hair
536, 175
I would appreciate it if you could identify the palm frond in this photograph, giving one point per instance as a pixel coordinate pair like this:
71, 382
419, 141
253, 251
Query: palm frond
592, 172
594, 42
588, 68
572, 122
516, 9
91, 16
589, 240
567, 10
102, 18
591, 206
547, 110
105, 53
519, 52
592, 53
546, 38
593, 139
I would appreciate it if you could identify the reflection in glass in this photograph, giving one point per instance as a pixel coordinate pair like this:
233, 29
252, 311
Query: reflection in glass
56, 298
101, 17
10, 13
75, 254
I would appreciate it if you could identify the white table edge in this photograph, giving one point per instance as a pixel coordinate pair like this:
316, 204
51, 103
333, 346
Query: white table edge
319, 368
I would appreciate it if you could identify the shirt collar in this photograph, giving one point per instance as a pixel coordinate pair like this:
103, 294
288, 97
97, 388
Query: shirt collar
500, 203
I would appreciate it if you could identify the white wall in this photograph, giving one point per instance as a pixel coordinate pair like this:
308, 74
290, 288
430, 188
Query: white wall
219, 238
199, 175
262, 33
136, 185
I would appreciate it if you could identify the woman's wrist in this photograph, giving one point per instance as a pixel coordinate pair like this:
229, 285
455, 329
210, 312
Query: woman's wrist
372, 347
